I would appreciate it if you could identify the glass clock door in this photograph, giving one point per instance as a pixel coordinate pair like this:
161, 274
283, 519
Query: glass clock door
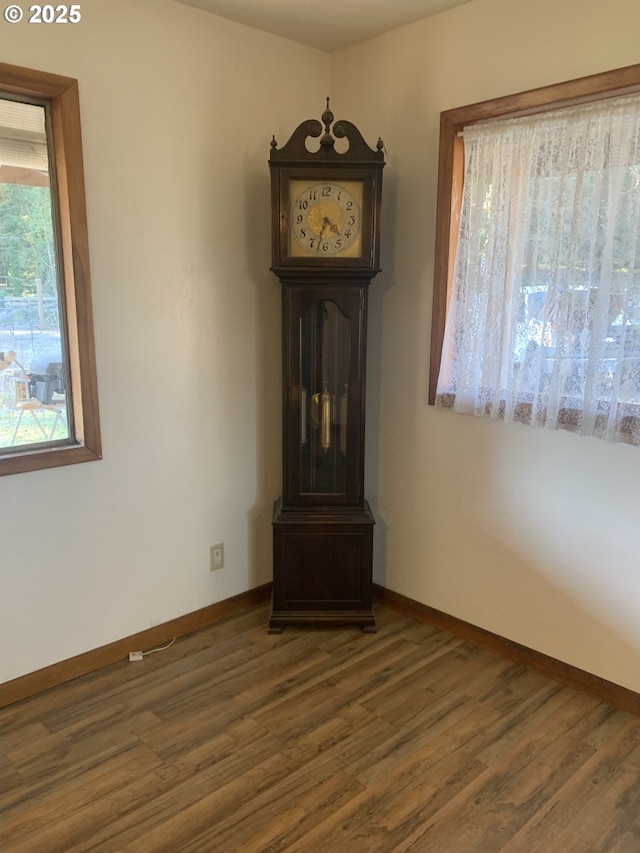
324, 395
324, 435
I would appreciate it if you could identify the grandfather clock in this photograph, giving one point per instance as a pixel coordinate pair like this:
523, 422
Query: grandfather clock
325, 241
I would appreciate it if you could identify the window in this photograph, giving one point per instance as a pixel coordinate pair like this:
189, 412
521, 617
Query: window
48, 387
537, 288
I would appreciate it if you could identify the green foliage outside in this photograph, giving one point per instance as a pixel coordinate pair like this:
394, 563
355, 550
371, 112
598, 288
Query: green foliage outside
27, 246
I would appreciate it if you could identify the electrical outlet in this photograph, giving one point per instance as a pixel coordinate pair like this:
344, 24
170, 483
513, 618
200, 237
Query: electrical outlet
135, 655
216, 556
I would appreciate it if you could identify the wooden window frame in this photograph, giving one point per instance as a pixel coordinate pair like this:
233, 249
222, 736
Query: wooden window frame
621, 81
60, 94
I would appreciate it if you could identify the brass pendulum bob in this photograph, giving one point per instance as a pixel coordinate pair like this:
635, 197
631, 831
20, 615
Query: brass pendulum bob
343, 419
325, 417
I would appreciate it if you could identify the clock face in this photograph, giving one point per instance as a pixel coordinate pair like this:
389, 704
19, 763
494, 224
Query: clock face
325, 219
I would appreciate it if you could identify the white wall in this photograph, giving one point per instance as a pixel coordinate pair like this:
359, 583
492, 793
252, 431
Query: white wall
532, 535
178, 108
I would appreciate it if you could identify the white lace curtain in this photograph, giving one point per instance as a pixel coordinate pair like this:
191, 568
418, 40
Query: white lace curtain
543, 324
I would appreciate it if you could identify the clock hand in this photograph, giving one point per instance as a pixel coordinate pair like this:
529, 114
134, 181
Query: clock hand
332, 226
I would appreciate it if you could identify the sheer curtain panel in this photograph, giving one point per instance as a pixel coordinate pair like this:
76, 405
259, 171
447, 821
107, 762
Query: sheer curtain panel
543, 322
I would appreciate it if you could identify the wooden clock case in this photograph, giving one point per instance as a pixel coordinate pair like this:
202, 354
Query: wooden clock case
322, 525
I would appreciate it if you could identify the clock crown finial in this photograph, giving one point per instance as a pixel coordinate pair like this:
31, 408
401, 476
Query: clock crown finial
356, 151
327, 119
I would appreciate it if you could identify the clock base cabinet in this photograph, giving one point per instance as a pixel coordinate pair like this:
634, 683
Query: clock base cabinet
322, 562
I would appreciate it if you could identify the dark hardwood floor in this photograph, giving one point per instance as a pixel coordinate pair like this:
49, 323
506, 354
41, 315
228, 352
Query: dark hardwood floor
318, 741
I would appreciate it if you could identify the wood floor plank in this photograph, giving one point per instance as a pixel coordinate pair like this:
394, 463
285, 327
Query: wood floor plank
312, 792
612, 770
72, 811
627, 843
318, 741
500, 801
388, 810
450, 722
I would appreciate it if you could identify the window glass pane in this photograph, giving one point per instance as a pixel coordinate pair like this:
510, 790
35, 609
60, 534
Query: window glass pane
33, 371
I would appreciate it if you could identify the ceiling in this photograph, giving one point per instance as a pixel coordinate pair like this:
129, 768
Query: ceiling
328, 25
